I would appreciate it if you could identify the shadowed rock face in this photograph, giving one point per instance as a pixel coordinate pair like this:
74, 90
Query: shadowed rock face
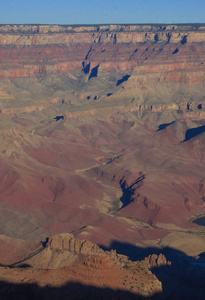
92, 124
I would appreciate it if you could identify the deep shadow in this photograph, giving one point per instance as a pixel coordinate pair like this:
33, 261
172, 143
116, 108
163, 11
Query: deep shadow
184, 40
190, 133
94, 72
134, 253
86, 69
128, 191
24, 266
123, 79
44, 243
188, 106
168, 37
162, 126
199, 106
57, 118
201, 257
70, 291
115, 38
137, 253
156, 37
180, 280
175, 51
200, 221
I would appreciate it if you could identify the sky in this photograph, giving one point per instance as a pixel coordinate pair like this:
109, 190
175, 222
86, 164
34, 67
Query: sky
101, 11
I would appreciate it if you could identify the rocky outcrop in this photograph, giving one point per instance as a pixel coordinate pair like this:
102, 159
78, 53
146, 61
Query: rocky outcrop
67, 242
97, 277
99, 38
101, 263
154, 260
96, 257
28, 34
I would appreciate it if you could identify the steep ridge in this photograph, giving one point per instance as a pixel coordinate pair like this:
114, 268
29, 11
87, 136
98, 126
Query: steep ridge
147, 65
83, 262
67, 265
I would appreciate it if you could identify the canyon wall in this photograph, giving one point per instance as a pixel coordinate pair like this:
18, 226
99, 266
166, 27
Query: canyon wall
85, 111
26, 50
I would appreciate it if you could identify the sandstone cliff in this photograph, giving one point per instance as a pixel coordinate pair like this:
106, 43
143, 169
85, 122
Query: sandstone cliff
64, 250
145, 64
93, 277
26, 50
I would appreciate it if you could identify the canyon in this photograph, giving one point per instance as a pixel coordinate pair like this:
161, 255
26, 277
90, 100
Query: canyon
103, 138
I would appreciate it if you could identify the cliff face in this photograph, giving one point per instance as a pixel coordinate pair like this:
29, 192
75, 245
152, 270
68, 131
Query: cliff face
92, 275
26, 50
149, 65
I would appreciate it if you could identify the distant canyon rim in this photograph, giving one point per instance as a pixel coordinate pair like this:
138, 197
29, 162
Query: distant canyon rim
103, 134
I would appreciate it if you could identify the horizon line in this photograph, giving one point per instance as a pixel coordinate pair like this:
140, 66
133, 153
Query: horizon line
102, 24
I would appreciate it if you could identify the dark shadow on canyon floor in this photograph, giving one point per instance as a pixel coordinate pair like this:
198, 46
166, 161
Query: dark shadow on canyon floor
180, 280
70, 291
94, 72
57, 118
162, 126
200, 221
129, 190
190, 133
123, 79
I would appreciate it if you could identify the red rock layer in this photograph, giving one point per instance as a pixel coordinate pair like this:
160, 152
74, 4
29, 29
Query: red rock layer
32, 50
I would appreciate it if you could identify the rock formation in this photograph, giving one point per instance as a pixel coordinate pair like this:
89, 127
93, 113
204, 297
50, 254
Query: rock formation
67, 242
170, 53
154, 260
92, 266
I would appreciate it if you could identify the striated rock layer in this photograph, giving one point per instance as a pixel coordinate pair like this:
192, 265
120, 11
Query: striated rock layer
66, 261
102, 135
171, 53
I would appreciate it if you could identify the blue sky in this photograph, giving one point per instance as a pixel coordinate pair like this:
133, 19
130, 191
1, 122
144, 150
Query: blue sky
101, 12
